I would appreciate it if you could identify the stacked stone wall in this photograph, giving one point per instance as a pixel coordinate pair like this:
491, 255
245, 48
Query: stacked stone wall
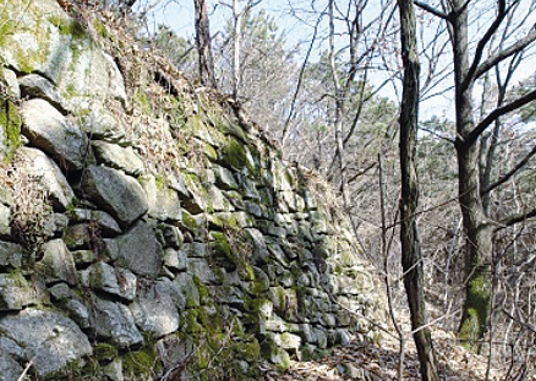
204, 268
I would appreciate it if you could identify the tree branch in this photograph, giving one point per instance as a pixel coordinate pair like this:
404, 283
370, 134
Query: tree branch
432, 10
517, 218
495, 114
285, 132
501, 15
507, 52
504, 178
432, 132
525, 325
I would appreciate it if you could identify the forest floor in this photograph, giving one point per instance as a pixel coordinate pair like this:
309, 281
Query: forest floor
369, 362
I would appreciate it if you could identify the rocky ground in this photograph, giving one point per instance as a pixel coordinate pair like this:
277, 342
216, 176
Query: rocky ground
363, 361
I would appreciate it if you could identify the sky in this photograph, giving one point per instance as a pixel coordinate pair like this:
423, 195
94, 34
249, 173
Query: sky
179, 15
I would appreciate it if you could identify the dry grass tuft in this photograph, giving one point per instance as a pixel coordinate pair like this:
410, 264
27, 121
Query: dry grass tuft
30, 207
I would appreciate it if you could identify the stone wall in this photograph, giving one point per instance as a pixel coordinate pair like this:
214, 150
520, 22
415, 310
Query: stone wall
147, 232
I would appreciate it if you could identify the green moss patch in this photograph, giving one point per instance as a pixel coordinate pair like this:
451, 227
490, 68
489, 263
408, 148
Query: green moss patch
68, 26
144, 362
236, 155
10, 122
104, 352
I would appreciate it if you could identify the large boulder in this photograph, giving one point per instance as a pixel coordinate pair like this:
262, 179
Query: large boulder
10, 355
113, 321
115, 156
11, 254
116, 193
15, 292
49, 130
33, 44
139, 251
49, 176
164, 203
44, 39
57, 263
154, 309
50, 339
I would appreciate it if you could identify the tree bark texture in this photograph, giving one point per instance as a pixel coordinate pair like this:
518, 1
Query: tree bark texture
411, 250
478, 232
203, 44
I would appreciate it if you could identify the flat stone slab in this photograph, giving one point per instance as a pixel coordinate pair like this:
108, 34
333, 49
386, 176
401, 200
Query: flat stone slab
107, 225
118, 282
36, 86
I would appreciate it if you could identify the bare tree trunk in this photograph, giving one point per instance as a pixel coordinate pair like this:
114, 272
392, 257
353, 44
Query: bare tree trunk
411, 249
237, 37
478, 231
469, 65
339, 105
203, 44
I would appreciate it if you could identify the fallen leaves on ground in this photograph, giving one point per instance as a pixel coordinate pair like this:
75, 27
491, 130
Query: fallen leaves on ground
369, 362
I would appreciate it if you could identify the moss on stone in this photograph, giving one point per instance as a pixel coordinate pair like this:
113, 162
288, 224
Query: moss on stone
225, 352
18, 279
235, 154
142, 100
68, 27
195, 186
188, 222
7, 27
248, 271
256, 304
191, 325
10, 122
274, 353
143, 363
258, 286
27, 60
209, 151
77, 370
280, 301
221, 247
204, 293
104, 352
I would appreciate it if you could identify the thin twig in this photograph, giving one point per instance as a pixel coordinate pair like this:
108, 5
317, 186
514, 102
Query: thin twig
26, 369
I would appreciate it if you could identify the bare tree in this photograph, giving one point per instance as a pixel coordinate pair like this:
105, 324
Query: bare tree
409, 237
471, 64
239, 15
203, 44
